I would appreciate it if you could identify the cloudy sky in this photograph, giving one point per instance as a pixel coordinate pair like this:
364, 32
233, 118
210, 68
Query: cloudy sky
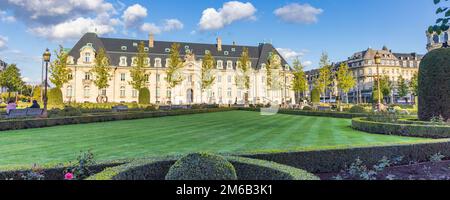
301, 28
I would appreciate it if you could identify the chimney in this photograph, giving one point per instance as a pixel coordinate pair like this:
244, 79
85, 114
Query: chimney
151, 40
219, 43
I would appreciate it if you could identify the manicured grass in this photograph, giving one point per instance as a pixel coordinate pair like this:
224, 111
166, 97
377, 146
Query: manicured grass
225, 132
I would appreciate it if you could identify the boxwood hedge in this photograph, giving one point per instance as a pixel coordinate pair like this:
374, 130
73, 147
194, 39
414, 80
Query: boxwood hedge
346, 115
403, 128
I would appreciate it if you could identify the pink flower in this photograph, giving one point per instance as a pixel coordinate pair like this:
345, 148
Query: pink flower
68, 176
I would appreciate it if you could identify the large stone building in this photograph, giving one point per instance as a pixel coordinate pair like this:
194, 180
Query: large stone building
122, 53
364, 69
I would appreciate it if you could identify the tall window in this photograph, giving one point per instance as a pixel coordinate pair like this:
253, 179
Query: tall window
229, 64
229, 78
158, 62
219, 92
87, 57
87, 76
122, 92
123, 61
69, 91
147, 77
134, 93
122, 77
219, 64
229, 93
219, 79
190, 78
87, 91
158, 77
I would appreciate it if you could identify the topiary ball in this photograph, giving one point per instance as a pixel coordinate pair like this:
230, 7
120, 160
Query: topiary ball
357, 109
434, 85
202, 166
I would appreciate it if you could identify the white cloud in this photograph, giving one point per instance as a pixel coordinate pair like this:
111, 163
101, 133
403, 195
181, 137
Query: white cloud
307, 63
213, 19
3, 41
133, 15
150, 28
172, 24
290, 54
73, 29
26, 79
298, 13
4, 17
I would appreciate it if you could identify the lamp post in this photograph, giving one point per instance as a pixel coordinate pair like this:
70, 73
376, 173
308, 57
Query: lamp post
378, 62
46, 57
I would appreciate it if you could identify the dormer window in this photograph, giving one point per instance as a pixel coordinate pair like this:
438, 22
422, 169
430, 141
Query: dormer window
167, 50
124, 48
233, 49
135, 44
87, 57
186, 47
145, 48
229, 64
134, 61
123, 61
158, 62
146, 61
219, 64
187, 51
225, 53
207, 51
89, 44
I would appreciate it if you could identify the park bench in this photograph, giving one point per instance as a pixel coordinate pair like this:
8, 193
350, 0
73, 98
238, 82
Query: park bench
120, 108
24, 113
164, 107
323, 108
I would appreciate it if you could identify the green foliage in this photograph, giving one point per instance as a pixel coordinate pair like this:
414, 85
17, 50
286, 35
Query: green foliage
315, 95
243, 77
414, 84
67, 111
402, 87
202, 166
345, 79
55, 96
11, 79
357, 109
434, 85
37, 93
273, 64
137, 71
174, 76
375, 96
299, 83
325, 75
207, 76
82, 169
442, 23
101, 69
59, 72
144, 96
307, 108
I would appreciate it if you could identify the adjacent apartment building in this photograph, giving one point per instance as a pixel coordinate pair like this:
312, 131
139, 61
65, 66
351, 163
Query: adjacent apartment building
364, 69
122, 54
2, 67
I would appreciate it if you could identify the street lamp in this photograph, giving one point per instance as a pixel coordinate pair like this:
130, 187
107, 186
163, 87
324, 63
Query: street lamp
46, 57
378, 62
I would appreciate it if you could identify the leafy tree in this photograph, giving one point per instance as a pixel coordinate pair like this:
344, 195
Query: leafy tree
174, 76
414, 86
243, 67
325, 75
59, 72
402, 87
11, 79
375, 95
345, 79
442, 23
137, 71
207, 78
273, 66
101, 70
386, 86
37, 93
299, 83
144, 96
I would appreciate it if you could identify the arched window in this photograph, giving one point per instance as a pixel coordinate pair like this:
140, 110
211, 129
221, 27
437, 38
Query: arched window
158, 62
87, 91
436, 38
122, 92
123, 61
219, 64
229, 64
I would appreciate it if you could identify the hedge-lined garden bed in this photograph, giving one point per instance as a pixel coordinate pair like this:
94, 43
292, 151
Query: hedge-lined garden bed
402, 128
246, 169
92, 118
345, 115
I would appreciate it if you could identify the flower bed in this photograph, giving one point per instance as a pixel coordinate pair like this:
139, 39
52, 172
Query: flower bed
403, 128
91, 118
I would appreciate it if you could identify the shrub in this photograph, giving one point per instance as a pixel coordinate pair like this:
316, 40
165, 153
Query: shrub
307, 108
357, 109
55, 96
315, 96
68, 111
202, 166
144, 96
434, 85
37, 93
375, 96
82, 169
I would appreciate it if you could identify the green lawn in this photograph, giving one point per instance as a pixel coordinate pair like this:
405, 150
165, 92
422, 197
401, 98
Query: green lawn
235, 131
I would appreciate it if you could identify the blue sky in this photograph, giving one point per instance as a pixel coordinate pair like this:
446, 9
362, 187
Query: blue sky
300, 28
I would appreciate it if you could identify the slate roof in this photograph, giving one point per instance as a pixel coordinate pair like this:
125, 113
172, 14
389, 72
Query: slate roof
113, 47
2, 65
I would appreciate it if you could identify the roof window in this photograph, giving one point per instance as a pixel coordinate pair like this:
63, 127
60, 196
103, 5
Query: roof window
124, 48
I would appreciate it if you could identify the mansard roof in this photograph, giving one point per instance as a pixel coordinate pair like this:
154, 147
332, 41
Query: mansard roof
113, 46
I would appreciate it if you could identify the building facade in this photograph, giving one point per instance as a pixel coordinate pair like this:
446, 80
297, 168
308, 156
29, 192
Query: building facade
2, 67
122, 54
436, 41
364, 69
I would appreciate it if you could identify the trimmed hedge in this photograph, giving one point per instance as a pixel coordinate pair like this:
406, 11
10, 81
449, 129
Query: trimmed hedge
92, 118
55, 96
403, 128
252, 169
334, 160
246, 169
313, 113
202, 166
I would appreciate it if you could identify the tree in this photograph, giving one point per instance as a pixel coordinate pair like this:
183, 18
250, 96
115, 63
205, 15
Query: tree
402, 88
345, 79
243, 77
207, 77
137, 71
101, 70
173, 72
37, 93
375, 95
414, 86
386, 86
299, 83
59, 72
442, 23
11, 79
273, 66
325, 75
